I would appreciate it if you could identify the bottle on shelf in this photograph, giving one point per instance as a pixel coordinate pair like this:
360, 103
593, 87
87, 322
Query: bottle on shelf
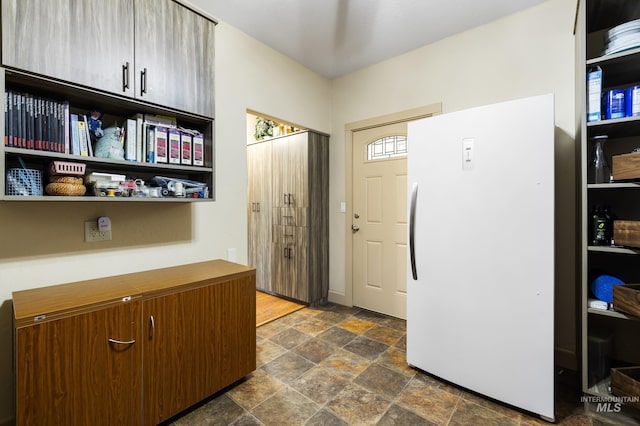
602, 172
594, 96
601, 224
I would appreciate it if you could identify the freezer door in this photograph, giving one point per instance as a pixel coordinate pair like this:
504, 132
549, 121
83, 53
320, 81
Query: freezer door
480, 310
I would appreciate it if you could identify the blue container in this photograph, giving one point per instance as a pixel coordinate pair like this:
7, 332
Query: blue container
632, 101
614, 104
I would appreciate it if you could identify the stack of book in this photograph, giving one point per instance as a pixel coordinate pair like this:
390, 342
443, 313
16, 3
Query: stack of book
622, 37
158, 139
34, 122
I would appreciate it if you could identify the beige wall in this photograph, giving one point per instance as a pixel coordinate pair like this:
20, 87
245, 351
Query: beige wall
525, 54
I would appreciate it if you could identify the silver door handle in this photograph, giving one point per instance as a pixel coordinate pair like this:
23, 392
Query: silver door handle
122, 342
152, 327
412, 224
355, 228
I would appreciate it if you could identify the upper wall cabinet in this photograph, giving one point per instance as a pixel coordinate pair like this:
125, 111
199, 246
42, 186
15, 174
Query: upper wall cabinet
174, 56
156, 51
89, 43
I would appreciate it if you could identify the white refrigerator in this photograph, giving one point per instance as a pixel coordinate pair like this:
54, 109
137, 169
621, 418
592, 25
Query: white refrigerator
480, 286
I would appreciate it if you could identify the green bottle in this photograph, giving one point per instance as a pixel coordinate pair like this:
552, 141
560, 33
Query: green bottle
601, 226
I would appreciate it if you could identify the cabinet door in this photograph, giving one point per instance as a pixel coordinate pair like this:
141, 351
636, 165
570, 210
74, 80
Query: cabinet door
289, 264
174, 56
280, 166
88, 43
197, 342
68, 373
259, 212
290, 175
298, 173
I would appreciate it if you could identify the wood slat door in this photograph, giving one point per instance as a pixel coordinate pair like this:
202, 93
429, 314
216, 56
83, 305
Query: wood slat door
259, 212
86, 43
174, 56
69, 374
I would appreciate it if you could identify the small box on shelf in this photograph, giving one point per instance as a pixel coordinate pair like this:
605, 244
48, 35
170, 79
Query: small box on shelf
625, 166
626, 299
626, 233
625, 382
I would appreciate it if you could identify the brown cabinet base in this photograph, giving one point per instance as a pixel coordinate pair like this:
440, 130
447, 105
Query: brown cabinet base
132, 349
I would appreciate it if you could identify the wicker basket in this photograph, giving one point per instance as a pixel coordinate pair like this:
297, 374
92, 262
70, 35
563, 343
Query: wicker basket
66, 168
27, 182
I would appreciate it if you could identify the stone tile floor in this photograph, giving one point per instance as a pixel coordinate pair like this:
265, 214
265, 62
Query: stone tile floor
335, 365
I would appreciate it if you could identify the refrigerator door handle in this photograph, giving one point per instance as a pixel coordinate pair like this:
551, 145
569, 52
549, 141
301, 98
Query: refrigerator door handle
412, 224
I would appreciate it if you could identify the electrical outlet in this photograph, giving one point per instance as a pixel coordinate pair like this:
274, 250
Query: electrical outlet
91, 232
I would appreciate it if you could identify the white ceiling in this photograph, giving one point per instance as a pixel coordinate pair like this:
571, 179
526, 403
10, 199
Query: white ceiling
336, 37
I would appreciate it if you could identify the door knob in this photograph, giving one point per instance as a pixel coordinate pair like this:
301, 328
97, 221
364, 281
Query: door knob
355, 228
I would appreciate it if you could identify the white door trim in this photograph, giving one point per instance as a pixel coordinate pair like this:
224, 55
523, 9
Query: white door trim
407, 115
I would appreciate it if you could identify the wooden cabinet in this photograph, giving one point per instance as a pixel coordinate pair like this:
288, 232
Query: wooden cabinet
86, 42
197, 337
609, 338
122, 58
73, 370
259, 212
156, 51
299, 165
174, 57
177, 336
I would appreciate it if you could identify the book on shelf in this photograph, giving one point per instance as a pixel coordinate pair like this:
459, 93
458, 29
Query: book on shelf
185, 148
130, 145
150, 144
160, 120
161, 144
174, 146
82, 137
198, 149
75, 135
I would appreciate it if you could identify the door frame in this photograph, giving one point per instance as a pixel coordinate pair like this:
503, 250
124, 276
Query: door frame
350, 129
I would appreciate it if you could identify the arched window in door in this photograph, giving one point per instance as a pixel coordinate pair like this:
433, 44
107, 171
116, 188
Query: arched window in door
387, 147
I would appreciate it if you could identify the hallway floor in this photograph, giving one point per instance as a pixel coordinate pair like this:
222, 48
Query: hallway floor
335, 365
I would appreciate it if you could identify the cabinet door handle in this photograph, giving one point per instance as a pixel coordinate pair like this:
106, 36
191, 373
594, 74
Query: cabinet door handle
152, 326
285, 198
290, 198
285, 252
122, 342
258, 207
143, 81
125, 76
289, 249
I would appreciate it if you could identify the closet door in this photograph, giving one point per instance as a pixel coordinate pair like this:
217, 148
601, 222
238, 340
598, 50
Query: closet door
259, 212
174, 57
88, 43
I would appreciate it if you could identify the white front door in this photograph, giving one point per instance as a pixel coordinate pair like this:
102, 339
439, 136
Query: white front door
380, 219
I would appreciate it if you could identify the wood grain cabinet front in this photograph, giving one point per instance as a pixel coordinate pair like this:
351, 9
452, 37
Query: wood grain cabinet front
157, 51
86, 354
82, 369
204, 337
